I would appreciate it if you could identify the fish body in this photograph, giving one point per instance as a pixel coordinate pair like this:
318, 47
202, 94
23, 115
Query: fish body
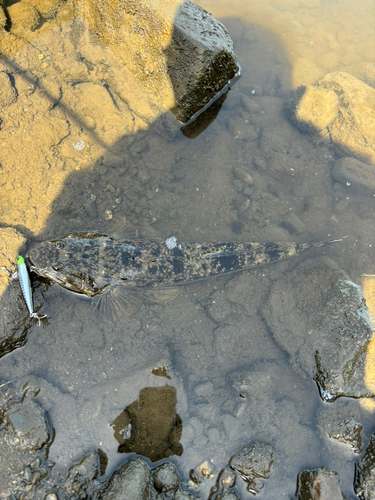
117, 272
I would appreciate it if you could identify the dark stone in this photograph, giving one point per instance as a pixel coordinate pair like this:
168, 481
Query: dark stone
253, 465
319, 484
165, 477
15, 322
364, 483
29, 425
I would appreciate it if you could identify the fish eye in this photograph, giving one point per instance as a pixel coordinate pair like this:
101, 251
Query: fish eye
57, 266
60, 244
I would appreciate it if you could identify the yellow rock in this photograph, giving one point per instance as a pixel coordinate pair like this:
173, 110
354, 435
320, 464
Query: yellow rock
24, 17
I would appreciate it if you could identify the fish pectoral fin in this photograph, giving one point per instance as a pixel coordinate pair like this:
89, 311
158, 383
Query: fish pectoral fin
161, 295
118, 303
123, 231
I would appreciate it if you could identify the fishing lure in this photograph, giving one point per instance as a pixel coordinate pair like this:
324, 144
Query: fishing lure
23, 276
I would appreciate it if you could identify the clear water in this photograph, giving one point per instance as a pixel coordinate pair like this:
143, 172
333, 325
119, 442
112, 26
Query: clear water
136, 166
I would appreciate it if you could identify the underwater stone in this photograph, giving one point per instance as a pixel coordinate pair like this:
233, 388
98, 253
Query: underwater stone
330, 334
319, 484
24, 17
253, 465
29, 424
364, 483
131, 480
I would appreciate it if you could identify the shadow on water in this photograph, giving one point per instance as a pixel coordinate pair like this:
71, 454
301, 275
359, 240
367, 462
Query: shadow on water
164, 184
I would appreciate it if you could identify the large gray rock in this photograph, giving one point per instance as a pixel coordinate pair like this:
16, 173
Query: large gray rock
179, 51
341, 108
319, 317
319, 484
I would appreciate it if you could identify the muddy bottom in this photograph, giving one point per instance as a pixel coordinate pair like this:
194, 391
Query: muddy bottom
197, 378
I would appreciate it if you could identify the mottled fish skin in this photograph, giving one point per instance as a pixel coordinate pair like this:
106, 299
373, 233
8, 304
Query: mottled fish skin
90, 262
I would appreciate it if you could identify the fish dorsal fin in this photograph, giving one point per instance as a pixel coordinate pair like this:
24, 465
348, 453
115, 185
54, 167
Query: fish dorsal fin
161, 295
118, 303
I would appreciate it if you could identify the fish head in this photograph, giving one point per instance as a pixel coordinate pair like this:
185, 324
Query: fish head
64, 261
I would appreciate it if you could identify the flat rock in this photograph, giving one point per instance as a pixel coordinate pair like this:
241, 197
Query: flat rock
176, 49
319, 484
342, 105
319, 317
349, 171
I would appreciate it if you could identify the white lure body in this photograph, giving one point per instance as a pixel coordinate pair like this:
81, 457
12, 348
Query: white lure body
24, 279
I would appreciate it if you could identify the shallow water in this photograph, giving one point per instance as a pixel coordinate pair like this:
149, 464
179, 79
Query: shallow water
234, 384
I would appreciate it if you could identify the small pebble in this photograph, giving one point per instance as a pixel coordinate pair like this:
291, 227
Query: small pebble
27, 473
243, 176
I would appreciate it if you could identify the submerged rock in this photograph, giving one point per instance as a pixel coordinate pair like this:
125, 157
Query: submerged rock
320, 318
131, 480
166, 478
352, 172
28, 424
319, 484
346, 432
179, 51
253, 465
364, 483
341, 107
8, 93
23, 435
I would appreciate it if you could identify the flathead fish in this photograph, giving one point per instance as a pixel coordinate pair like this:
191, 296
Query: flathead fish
119, 273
